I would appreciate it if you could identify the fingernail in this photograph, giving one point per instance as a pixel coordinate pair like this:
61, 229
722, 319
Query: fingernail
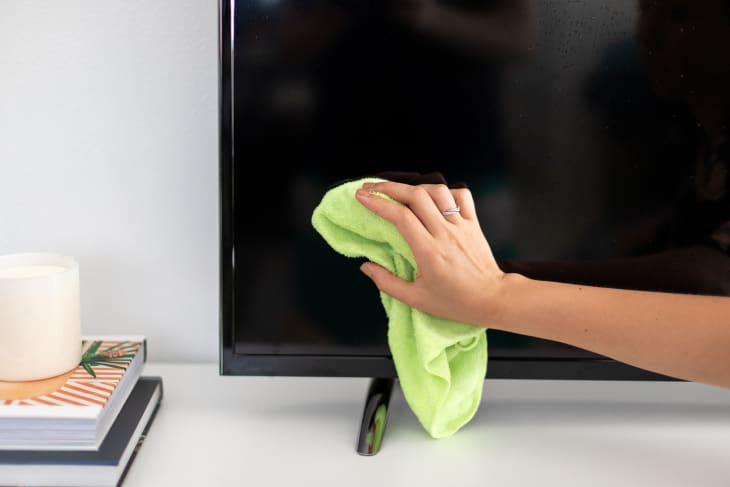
365, 268
361, 193
368, 185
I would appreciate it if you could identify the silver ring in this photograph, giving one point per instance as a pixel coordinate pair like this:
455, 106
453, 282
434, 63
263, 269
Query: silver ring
451, 211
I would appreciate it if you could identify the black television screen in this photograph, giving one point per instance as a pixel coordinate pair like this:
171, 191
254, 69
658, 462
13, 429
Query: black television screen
591, 135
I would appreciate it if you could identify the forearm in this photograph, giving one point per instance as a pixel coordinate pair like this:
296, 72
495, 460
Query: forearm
684, 336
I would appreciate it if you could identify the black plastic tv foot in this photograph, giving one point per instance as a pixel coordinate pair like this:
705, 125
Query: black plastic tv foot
375, 416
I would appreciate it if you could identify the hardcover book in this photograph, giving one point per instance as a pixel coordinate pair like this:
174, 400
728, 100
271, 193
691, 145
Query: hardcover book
76, 409
106, 466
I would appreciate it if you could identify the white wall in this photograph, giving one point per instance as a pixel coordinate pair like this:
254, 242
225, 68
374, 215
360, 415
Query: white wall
108, 152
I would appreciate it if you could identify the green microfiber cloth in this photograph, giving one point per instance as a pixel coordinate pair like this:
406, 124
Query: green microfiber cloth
440, 364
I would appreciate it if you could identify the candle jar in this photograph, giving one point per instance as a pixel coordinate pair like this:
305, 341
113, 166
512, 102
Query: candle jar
40, 322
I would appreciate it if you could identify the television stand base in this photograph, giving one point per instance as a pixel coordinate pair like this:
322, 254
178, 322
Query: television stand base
374, 416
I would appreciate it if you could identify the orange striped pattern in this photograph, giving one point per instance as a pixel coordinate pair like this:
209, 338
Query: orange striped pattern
81, 389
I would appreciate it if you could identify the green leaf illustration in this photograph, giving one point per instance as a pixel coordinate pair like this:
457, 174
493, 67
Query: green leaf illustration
93, 357
88, 369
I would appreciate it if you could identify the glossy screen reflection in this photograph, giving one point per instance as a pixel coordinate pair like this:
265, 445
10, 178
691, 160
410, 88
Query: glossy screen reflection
593, 135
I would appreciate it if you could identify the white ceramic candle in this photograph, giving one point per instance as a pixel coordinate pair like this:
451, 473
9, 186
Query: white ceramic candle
40, 322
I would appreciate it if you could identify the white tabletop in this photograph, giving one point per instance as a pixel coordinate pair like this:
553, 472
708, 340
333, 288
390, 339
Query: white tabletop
229, 431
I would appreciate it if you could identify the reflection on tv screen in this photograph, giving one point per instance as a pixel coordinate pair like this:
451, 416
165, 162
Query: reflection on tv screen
593, 136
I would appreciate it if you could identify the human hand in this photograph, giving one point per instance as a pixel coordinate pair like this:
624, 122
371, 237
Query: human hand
458, 278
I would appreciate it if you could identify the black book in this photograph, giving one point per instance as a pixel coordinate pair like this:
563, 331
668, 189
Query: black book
106, 466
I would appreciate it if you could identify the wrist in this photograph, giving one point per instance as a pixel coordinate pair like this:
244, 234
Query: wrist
504, 299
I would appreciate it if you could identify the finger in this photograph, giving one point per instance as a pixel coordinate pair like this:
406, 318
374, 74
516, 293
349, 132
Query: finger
407, 223
402, 290
443, 198
465, 201
417, 199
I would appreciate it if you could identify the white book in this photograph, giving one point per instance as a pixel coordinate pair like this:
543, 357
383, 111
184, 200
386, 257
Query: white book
74, 410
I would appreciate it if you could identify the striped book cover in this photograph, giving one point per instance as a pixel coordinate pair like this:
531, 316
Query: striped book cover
85, 389
74, 410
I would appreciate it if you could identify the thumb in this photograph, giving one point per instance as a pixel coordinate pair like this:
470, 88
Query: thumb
391, 285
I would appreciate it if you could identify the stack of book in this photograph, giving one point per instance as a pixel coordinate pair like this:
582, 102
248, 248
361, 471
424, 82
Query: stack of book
82, 428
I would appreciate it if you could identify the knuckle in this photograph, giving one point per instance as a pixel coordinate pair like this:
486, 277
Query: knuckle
420, 193
441, 190
462, 193
402, 213
390, 186
401, 217
407, 221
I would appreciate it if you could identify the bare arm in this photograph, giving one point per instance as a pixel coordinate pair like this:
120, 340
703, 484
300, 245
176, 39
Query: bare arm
680, 335
685, 336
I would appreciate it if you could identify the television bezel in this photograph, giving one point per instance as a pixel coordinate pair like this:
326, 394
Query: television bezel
232, 363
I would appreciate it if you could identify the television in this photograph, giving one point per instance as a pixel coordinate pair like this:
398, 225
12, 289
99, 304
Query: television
571, 122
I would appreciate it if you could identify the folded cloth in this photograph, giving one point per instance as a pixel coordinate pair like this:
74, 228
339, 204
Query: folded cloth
441, 364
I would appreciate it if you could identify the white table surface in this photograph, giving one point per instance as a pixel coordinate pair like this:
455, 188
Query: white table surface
216, 430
